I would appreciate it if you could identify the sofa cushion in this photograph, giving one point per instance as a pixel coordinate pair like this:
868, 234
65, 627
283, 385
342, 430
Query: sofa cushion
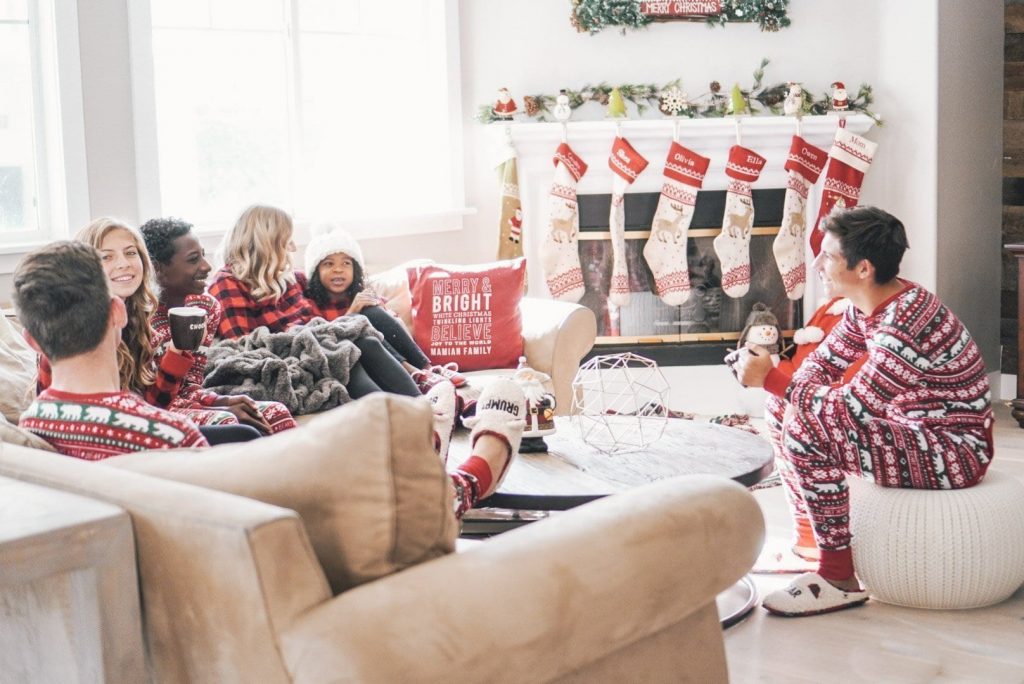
469, 314
12, 434
17, 372
363, 477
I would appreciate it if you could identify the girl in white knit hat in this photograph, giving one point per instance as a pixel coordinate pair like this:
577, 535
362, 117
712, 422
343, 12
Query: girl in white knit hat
336, 287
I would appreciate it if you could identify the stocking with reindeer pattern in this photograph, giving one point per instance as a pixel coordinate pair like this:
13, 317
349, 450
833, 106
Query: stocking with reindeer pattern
804, 165
732, 245
559, 254
665, 251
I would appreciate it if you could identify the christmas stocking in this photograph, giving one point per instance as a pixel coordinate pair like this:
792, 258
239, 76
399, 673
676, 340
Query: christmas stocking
733, 244
804, 166
626, 164
849, 159
510, 231
665, 250
560, 256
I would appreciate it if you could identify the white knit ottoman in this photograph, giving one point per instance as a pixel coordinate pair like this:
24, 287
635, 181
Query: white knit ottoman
961, 548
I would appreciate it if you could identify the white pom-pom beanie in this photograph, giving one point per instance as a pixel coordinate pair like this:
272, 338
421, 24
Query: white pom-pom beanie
328, 239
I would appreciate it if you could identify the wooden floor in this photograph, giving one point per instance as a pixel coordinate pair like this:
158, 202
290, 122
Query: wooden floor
879, 642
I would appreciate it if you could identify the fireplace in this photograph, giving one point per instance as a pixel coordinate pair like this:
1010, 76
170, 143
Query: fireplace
701, 330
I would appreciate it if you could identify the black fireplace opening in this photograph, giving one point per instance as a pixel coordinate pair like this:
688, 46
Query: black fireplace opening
705, 327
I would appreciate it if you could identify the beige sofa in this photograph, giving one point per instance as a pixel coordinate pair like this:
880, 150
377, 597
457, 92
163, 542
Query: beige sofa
326, 556
556, 335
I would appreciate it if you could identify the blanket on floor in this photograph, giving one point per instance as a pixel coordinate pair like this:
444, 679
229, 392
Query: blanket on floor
305, 368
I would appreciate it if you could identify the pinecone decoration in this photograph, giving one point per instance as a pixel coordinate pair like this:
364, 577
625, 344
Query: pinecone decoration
530, 105
672, 101
715, 87
600, 97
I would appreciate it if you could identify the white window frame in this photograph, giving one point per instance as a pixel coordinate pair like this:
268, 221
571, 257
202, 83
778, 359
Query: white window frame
147, 162
61, 170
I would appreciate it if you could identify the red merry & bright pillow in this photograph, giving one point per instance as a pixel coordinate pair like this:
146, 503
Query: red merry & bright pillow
469, 314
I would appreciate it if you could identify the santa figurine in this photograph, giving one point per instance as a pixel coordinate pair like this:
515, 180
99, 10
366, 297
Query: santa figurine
840, 102
515, 226
504, 107
562, 110
794, 103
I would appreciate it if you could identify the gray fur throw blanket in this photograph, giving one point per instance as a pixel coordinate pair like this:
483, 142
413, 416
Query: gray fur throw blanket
305, 368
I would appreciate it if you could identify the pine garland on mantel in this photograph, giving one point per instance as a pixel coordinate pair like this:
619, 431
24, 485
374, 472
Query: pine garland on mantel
712, 104
596, 15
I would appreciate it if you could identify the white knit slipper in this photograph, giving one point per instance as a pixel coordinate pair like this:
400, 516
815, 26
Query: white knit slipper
500, 411
811, 594
443, 401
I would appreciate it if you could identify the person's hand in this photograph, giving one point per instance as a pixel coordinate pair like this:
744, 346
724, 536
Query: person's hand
245, 410
752, 366
362, 300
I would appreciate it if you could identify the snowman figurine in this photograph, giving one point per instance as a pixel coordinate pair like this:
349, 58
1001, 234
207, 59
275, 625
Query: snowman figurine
840, 102
794, 103
562, 110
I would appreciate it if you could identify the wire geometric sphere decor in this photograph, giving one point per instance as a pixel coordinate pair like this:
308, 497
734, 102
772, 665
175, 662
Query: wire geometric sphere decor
619, 402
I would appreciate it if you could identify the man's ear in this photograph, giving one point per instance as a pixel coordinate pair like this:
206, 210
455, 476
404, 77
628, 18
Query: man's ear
865, 270
32, 342
118, 312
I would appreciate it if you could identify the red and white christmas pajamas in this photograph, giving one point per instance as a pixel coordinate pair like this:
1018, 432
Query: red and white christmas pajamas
917, 415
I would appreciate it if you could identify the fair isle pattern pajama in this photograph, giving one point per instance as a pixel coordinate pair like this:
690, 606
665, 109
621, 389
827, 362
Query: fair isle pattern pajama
917, 415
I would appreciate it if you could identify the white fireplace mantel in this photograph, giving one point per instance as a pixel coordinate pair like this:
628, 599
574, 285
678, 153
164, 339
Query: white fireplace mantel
535, 143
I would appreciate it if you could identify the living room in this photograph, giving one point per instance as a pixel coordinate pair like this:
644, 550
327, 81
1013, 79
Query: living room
935, 71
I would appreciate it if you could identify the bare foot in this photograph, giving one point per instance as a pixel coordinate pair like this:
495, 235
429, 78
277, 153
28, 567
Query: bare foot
809, 553
849, 584
495, 451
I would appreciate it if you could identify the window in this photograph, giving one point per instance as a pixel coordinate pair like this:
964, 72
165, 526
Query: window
22, 171
43, 187
337, 110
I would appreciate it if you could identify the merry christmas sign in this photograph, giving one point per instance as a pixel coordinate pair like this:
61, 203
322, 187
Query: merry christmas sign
681, 9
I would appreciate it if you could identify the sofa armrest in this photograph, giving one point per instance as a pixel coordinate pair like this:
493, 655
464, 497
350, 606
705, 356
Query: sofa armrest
545, 600
556, 336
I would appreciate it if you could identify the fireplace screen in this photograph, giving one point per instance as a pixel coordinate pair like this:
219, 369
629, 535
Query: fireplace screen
709, 314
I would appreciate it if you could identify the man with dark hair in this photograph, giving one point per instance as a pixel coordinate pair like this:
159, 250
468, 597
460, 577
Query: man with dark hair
70, 315
916, 415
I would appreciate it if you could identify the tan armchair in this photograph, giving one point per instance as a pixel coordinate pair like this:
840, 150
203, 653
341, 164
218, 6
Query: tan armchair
235, 590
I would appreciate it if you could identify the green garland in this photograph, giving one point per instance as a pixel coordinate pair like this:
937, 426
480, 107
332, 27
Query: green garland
596, 15
712, 104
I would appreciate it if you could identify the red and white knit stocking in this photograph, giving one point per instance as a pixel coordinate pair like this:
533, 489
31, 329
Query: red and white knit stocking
804, 166
560, 256
665, 250
849, 159
626, 164
732, 245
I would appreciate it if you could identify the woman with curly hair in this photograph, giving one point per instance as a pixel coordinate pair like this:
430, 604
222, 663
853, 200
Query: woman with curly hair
181, 269
258, 287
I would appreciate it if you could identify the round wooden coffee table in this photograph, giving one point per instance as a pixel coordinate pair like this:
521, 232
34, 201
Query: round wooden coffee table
571, 473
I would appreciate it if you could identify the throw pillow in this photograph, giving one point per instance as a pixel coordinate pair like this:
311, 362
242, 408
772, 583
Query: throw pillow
17, 372
12, 434
469, 314
363, 477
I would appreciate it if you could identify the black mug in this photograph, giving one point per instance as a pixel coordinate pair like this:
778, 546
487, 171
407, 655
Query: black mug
188, 327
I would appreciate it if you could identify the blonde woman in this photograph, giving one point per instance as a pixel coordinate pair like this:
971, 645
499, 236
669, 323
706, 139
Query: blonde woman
258, 287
